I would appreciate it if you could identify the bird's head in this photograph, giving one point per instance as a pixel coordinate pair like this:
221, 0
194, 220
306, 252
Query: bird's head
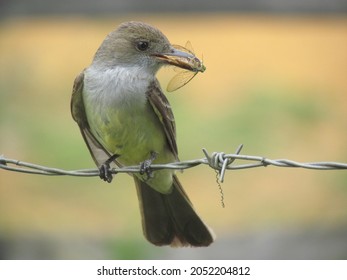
136, 44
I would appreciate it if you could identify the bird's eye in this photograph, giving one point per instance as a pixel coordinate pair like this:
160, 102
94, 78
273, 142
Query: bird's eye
142, 45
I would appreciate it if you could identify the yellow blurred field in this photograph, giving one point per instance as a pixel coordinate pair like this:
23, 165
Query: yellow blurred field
276, 84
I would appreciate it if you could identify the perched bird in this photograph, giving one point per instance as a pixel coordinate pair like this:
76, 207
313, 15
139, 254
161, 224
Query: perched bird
125, 118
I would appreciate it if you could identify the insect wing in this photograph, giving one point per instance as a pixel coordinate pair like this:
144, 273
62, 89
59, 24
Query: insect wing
184, 76
180, 80
188, 48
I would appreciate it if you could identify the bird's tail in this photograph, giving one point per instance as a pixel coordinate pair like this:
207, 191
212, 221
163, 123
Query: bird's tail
169, 219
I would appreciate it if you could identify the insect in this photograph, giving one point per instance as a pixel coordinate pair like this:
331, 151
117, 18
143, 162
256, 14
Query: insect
184, 76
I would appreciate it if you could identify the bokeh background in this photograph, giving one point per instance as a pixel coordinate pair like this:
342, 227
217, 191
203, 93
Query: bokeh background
275, 82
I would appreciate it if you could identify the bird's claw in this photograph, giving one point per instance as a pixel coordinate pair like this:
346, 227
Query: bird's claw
145, 167
105, 172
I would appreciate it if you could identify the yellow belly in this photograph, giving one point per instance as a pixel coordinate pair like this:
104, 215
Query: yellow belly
134, 134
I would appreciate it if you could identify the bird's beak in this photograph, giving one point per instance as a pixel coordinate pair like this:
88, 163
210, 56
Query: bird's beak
182, 59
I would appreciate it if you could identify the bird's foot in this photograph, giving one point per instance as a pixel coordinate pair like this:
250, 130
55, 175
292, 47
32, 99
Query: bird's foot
145, 167
105, 170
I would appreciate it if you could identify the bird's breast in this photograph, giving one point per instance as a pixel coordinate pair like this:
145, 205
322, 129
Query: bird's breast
119, 114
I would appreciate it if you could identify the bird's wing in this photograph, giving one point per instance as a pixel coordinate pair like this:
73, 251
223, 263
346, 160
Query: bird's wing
162, 109
98, 152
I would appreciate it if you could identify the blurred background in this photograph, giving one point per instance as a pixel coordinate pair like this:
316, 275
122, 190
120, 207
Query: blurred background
275, 82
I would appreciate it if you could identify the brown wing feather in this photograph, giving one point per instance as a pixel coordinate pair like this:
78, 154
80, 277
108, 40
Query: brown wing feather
162, 109
98, 152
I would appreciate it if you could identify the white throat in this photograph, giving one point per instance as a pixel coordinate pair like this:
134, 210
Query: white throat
118, 86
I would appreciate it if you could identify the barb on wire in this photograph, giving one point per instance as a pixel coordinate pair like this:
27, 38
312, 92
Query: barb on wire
218, 161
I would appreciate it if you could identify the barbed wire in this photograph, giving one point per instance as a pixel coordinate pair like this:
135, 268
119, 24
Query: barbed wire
218, 161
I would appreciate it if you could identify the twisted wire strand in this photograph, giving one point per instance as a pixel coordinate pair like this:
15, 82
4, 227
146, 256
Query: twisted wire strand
218, 161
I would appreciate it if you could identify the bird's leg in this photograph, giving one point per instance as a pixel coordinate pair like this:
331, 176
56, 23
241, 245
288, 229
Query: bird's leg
146, 165
105, 171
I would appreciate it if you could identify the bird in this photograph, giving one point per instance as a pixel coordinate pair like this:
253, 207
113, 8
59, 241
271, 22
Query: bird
125, 119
